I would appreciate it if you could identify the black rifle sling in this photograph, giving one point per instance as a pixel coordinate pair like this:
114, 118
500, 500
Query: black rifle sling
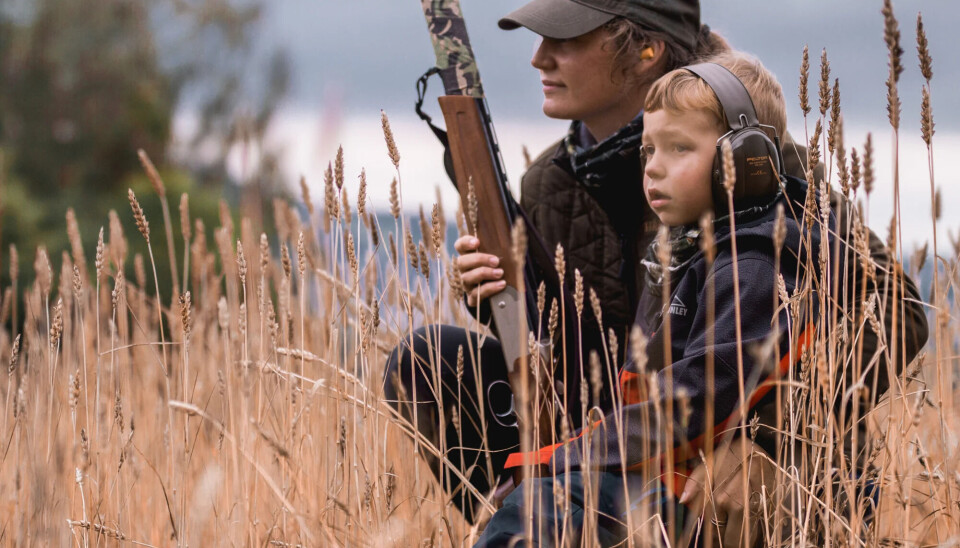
440, 134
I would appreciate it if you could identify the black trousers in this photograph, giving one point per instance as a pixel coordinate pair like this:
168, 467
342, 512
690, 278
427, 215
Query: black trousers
479, 429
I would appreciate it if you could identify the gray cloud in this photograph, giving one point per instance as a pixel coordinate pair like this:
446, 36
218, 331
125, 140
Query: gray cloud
372, 51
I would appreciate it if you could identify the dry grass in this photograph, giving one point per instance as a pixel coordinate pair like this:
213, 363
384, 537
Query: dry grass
249, 410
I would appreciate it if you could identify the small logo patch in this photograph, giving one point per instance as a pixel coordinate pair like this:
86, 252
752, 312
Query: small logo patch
677, 308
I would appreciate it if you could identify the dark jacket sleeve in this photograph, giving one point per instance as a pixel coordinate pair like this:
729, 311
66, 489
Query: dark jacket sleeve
682, 384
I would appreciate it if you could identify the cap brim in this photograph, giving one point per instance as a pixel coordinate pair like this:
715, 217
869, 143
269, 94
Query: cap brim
559, 19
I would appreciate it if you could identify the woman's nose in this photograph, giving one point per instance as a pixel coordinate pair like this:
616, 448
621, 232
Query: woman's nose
543, 55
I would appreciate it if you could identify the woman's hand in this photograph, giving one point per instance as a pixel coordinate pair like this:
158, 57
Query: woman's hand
723, 511
479, 272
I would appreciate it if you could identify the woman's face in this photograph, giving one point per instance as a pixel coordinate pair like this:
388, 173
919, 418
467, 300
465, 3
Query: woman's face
582, 82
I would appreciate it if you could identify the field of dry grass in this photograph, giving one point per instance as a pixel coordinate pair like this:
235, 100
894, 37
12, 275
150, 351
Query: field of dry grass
249, 410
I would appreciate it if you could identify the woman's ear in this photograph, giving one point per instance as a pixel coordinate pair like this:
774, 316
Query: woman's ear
650, 56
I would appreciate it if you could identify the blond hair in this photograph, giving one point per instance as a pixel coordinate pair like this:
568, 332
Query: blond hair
681, 90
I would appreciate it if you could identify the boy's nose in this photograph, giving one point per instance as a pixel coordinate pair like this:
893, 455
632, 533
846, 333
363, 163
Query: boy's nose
652, 168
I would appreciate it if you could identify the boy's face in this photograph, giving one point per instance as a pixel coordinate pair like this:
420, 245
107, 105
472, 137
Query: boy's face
679, 149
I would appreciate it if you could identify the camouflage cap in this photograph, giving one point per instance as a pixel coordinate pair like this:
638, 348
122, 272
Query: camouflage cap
561, 19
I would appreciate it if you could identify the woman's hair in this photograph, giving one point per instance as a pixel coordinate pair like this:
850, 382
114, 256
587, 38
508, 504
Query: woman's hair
683, 91
630, 38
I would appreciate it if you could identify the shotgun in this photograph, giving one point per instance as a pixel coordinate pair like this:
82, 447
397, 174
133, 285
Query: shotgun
474, 153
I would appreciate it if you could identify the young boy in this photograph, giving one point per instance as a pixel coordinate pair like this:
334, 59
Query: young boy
684, 123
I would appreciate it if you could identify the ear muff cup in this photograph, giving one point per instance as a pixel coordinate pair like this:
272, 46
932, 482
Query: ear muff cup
757, 162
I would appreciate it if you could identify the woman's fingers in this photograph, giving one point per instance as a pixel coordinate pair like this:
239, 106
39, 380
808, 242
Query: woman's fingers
477, 276
473, 261
485, 291
466, 244
478, 271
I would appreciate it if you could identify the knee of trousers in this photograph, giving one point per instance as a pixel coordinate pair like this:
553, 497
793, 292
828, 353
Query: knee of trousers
401, 372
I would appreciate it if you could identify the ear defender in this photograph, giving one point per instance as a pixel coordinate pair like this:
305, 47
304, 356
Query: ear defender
758, 160
647, 53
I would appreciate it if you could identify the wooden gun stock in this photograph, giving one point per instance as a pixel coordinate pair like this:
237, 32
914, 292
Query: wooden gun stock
470, 132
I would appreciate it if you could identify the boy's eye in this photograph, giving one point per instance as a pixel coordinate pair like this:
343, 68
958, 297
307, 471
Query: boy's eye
646, 151
680, 147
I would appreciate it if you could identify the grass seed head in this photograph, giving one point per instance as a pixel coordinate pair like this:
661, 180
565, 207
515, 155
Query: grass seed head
813, 148
436, 224
118, 289
56, 327
560, 262
613, 343
329, 198
779, 228
595, 305
707, 238
824, 83
518, 238
394, 199
923, 51
241, 263
44, 272
264, 253
118, 242
338, 168
285, 260
352, 255
868, 177
411, 251
186, 319
76, 244
426, 233
388, 138
578, 292
663, 246
14, 356
362, 196
554, 317
77, 284
855, 175
473, 207
729, 169
301, 255
804, 81
305, 194
185, 216
832, 136
891, 36
926, 117
142, 225
152, 173
424, 260
374, 231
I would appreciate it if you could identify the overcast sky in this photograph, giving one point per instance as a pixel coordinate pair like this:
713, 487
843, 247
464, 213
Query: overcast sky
352, 58
370, 52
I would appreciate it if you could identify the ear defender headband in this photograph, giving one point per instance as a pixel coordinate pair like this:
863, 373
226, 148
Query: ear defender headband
758, 160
